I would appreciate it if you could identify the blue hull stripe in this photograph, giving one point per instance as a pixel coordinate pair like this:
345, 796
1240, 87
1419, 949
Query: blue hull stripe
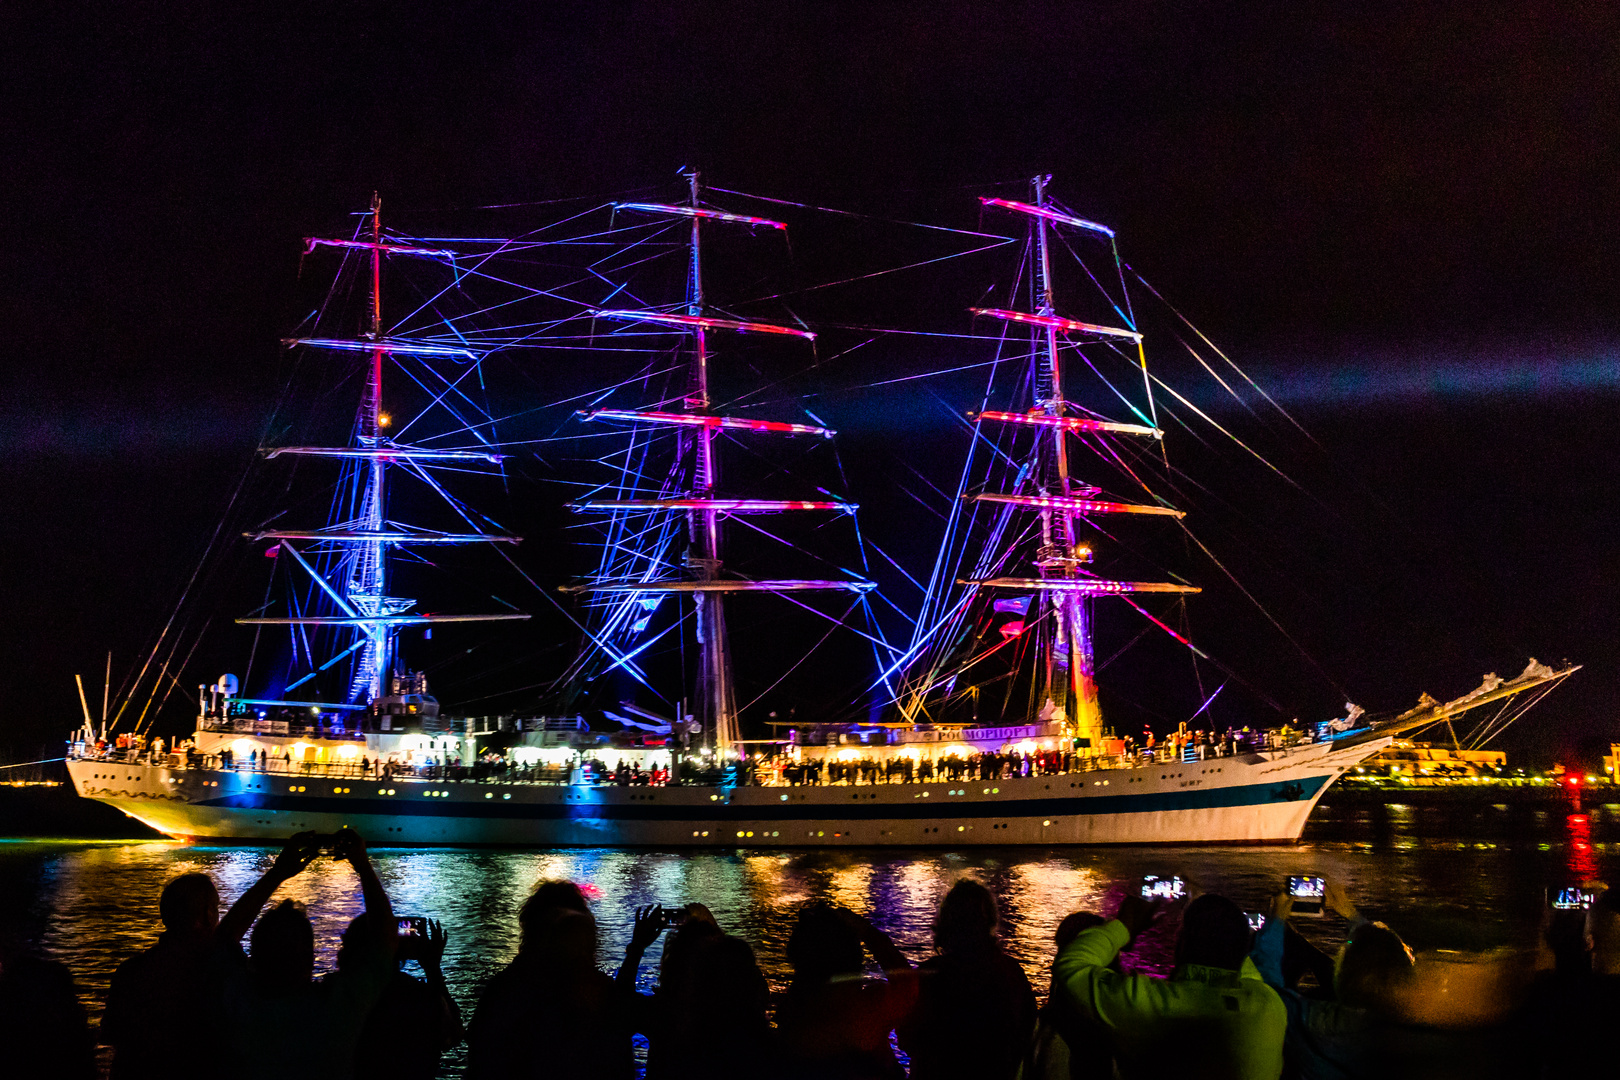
857, 809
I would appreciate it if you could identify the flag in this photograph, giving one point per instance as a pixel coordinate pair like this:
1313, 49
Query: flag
272, 551
1012, 629
1017, 605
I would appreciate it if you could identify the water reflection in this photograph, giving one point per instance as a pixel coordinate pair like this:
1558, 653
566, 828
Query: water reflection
1465, 880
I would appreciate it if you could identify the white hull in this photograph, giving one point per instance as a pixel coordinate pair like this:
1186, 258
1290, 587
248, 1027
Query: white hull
1255, 798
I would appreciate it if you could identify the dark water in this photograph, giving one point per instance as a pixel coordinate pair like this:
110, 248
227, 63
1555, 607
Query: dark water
1448, 880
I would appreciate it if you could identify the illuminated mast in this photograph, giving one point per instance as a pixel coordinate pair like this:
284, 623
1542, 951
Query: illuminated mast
717, 708
1067, 687
367, 537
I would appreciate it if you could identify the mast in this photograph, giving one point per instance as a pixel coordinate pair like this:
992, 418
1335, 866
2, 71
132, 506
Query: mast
1065, 687
715, 692
356, 543
1069, 686
367, 585
702, 505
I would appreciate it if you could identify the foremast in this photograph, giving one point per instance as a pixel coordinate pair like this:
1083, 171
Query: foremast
363, 538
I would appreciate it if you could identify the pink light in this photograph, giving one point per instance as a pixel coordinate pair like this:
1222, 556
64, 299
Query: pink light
1077, 506
722, 586
1057, 323
700, 420
1083, 586
1068, 423
698, 212
703, 322
733, 506
1050, 215
1011, 629
313, 242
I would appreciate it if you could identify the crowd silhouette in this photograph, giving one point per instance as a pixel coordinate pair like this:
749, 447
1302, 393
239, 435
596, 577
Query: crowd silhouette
1239, 1003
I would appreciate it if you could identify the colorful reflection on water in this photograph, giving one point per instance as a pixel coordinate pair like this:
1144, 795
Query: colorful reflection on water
1466, 882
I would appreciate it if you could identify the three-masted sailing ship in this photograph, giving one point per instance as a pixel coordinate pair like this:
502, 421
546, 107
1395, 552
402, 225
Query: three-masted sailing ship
374, 750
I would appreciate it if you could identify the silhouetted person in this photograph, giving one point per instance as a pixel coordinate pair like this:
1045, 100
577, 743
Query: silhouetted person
43, 1032
551, 1010
1068, 1046
414, 1021
712, 1007
971, 976
1213, 1017
286, 1023
166, 984
833, 1022
1376, 1017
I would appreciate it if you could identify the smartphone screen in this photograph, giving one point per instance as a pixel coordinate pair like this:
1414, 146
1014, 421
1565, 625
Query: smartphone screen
1155, 887
1308, 893
1569, 899
1256, 920
412, 927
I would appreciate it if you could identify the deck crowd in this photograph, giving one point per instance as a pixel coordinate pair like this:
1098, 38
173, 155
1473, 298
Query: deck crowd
1239, 1004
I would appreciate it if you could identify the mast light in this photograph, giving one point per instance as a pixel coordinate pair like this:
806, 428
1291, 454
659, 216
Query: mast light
729, 506
313, 242
1083, 586
698, 212
1050, 215
383, 536
1068, 423
701, 322
723, 586
1078, 506
1056, 322
386, 453
701, 420
403, 348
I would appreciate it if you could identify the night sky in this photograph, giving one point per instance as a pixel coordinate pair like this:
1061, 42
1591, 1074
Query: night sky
1404, 220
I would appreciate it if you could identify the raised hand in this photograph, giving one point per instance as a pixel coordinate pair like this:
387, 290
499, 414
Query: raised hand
431, 951
1282, 905
301, 850
1138, 914
649, 924
350, 846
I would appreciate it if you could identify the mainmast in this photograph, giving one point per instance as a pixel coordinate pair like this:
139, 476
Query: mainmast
715, 690
367, 587
703, 505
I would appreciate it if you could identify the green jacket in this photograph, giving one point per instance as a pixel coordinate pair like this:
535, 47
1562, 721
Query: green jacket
1200, 1022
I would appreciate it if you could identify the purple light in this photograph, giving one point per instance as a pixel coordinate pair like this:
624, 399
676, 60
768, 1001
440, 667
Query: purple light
701, 420
1083, 586
730, 506
404, 348
1050, 215
703, 322
1068, 423
1057, 323
1077, 506
698, 212
724, 586
313, 242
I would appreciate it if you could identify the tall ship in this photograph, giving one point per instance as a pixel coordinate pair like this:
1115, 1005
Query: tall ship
983, 728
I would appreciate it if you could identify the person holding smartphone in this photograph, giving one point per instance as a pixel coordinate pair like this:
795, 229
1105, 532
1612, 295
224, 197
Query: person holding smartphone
1213, 1017
269, 999
414, 1020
